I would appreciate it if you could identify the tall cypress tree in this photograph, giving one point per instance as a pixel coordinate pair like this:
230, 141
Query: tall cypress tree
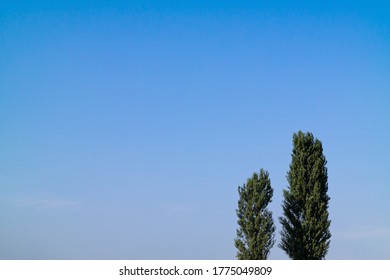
255, 235
305, 231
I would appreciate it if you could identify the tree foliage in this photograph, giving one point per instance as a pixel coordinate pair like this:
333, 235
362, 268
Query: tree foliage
305, 231
255, 235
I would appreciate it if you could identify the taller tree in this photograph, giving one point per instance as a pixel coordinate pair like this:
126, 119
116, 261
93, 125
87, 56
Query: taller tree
305, 231
255, 235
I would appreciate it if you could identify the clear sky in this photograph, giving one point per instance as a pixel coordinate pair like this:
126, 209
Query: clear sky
127, 126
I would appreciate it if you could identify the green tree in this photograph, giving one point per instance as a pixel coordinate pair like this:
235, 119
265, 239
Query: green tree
256, 232
305, 231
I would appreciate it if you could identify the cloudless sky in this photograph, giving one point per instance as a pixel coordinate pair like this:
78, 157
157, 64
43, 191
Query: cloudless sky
127, 126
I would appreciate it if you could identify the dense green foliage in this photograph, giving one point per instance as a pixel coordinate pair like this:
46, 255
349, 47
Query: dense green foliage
255, 235
305, 231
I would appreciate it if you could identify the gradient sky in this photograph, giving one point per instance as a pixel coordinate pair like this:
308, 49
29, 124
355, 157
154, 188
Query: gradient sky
127, 126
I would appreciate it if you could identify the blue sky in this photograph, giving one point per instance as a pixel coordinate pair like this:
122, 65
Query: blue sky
127, 126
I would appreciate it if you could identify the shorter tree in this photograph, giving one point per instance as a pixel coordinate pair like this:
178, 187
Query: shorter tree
256, 232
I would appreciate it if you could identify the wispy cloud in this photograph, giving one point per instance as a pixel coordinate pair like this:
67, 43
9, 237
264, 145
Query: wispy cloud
41, 202
364, 233
179, 208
